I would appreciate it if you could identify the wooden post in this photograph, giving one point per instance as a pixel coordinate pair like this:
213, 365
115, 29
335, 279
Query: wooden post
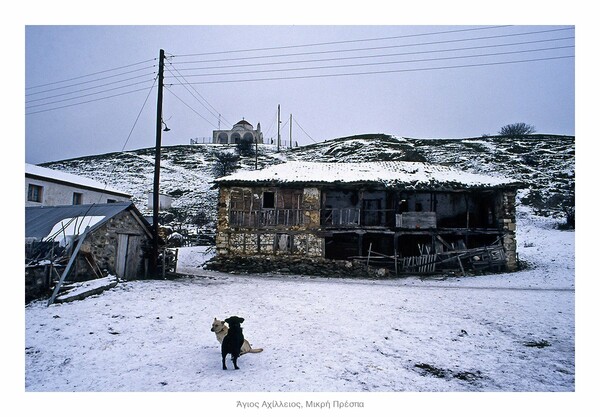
278, 127
155, 196
69, 265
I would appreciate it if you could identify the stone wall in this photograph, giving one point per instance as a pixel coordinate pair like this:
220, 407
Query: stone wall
292, 265
38, 281
508, 221
103, 242
297, 239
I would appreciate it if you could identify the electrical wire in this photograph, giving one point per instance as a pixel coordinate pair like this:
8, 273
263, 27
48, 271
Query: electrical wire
89, 88
100, 196
86, 102
377, 56
91, 74
139, 113
341, 42
185, 85
301, 128
380, 63
188, 106
86, 95
384, 71
380, 47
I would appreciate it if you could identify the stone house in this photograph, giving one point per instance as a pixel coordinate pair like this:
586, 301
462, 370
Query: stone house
409, 216
117, 242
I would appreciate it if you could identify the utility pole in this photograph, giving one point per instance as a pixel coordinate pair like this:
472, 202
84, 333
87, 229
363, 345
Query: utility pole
278, 126
290, 131
155, 197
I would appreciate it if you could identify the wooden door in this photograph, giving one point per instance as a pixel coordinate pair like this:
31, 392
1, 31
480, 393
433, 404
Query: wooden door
127, 260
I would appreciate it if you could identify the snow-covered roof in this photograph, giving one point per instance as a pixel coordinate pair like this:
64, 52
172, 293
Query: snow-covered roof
67, 178
413, 175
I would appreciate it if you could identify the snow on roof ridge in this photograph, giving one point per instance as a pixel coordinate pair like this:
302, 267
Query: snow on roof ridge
386, 172
70, 178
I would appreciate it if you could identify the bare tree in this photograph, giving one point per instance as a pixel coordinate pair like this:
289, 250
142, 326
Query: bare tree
516, 130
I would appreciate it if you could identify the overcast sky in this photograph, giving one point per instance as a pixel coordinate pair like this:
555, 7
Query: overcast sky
92, 90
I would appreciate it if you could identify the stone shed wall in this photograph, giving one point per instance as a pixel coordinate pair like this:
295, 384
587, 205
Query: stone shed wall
297, 239
102, 244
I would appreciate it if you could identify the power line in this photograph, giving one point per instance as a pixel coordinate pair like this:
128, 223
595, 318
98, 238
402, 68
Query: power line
378, 55
383, 71
341, 42
380, 47
380, 63
91, 74
301, 128
139, 113
91, 81
87, 95
188, 106
85, 102
87, 89
200, 95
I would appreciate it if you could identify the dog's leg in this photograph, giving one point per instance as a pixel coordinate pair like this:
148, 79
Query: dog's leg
234, 358
224, 355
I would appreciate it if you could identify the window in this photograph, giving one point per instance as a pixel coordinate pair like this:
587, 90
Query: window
269, 200
111, 200
77, 199
34, 193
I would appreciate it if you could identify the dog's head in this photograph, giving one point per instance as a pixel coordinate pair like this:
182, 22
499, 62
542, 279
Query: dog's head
218, 326
234, 321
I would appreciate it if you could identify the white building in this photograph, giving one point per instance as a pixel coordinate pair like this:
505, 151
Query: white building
242, 130
164, 201
49, 187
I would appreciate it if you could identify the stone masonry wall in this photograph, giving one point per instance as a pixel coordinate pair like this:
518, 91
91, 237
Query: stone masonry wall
509, 226
102, 244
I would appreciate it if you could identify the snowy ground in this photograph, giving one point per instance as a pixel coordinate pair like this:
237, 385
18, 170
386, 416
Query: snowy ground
496, 333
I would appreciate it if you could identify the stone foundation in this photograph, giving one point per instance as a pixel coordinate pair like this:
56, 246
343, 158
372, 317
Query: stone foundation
292, 266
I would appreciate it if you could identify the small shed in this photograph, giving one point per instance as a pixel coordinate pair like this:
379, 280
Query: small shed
116, 242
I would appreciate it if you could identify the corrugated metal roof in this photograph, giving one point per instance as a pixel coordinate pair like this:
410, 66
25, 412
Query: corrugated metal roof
39, 221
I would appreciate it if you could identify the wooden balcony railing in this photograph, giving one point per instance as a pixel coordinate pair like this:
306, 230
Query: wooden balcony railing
266, 217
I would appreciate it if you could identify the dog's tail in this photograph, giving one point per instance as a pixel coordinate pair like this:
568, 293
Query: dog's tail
255, 350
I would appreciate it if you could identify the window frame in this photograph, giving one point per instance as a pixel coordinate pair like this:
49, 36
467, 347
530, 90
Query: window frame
35, 193
77, 199
271, 199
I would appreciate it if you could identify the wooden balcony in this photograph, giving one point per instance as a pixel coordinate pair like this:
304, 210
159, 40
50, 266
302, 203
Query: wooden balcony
266, 218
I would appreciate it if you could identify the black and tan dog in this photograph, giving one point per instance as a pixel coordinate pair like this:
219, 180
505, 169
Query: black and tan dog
220, 328
233, 341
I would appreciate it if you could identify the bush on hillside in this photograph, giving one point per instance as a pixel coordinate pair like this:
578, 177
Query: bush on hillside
516, 130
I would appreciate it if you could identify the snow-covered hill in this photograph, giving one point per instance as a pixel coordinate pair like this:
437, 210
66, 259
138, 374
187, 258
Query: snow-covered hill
545, 162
